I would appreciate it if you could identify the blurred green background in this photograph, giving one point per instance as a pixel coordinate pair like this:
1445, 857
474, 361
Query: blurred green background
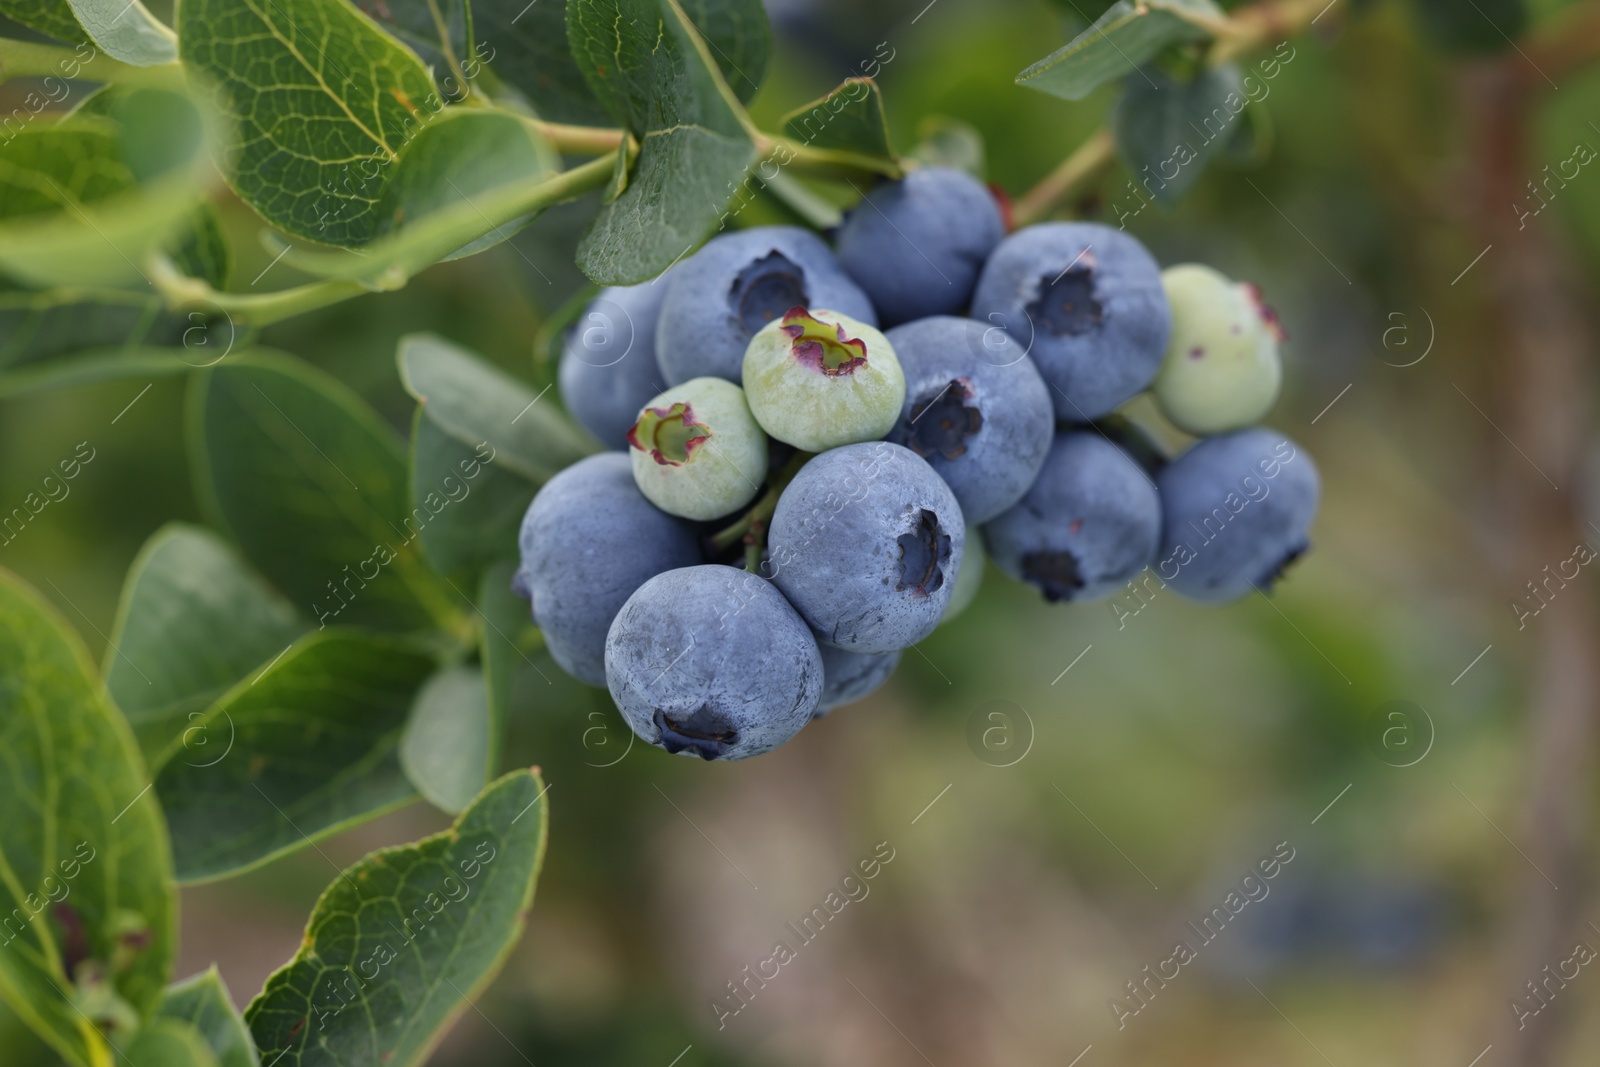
1183, 745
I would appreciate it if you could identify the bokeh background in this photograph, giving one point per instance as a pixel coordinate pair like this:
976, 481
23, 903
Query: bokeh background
1426, 756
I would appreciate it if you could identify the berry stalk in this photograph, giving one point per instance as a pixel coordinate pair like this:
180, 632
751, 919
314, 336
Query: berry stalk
1083, 165
751, 527
1245, 30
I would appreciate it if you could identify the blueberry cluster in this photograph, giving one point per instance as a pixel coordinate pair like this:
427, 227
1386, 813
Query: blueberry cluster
814, 446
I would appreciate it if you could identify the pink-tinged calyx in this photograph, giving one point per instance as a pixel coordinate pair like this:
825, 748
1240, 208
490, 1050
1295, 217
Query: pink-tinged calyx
1269, 318
823, 346
669, 434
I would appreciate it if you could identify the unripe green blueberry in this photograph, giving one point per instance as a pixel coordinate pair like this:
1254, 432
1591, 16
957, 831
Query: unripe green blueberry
818, 379
969, 578
697, 451
1221, 370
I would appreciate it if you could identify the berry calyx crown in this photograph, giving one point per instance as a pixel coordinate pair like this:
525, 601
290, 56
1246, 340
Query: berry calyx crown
823, 346
669, 434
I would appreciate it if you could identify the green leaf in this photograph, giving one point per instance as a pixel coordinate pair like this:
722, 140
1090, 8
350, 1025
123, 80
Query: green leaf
84, 199
477, 403
122, 29
312, 486
1129, 34
678, 195
1171, 130
459, 158
439, 31
126, 31
169, 1043
313, 740
505, 625
943, 141
95, 365
621, 170
647, 63
203, 1002
848, 119
85, 866
529, 52
739, 38
200, 248
38, 325
193, 621
476, 507
48, 168
460, 155
318, 102
23, 1047
808, 207
445, 749
400, 943
1252, 138
445, 197
54, 18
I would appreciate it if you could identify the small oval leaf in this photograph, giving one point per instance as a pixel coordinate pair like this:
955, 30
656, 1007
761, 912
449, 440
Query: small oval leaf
300, 751
88, 870
445, 750
312, 486
203, 1002
401, 942
193, 620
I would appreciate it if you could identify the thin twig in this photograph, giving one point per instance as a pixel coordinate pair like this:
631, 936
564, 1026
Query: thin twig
1087, 161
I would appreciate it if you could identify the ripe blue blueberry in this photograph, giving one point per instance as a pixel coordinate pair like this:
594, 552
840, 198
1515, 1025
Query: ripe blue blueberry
1086, 302
1089, 523
1237, 510
718, 298
817, 380
982, 420
588, 540
608, 369
697, 451
866, 543
851, 676
916, 246
713, 662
